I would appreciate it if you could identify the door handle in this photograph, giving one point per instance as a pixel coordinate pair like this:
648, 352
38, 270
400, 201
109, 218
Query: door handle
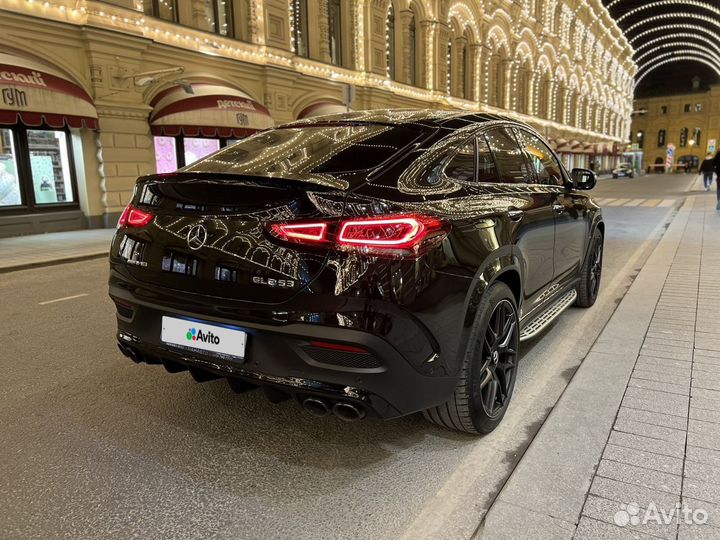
558, 208
515, 214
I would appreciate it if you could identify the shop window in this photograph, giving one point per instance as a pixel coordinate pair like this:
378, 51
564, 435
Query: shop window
165, 155
9, 178
299, 24
213, 16
162, 9
661, 138
335, 32
172, 153
50, 166
36, 168
196, 148
698, 107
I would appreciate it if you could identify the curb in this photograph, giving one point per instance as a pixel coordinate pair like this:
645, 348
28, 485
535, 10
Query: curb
53, 262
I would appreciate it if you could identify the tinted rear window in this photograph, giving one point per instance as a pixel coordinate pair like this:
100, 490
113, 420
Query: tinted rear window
301, 151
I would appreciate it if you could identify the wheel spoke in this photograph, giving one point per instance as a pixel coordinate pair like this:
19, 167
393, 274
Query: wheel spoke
488, 376
490, 395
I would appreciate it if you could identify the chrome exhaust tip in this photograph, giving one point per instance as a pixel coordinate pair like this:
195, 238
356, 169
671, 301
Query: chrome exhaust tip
348, 412
315, 406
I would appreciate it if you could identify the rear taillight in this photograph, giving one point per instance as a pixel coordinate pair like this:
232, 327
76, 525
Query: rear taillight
390, 235
396, 232
312, 233
134, 217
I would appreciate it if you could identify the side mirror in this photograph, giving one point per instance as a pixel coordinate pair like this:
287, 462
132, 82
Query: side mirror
584, 179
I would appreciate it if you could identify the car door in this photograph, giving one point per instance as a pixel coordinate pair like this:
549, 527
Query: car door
571, 228
534, 237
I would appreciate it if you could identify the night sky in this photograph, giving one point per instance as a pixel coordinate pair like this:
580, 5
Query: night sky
677, 76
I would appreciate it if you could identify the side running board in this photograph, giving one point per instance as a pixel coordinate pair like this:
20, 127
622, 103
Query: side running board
539, 323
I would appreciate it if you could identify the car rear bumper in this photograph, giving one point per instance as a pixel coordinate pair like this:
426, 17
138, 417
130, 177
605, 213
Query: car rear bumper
381, 380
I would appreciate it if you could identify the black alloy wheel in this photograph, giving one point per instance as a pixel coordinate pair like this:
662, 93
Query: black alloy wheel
487, 375
497, 375
591, 274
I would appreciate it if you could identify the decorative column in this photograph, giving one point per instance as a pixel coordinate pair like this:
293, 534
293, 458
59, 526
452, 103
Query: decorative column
441, 64
476, 58
403, 21
429, 37
323, 31
530, 93
505, 99
457, 79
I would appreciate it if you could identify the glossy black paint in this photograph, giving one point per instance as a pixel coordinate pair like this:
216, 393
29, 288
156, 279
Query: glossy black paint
413, 313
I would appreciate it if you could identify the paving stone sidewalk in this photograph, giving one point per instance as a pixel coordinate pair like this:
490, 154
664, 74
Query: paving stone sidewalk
51, 248
637, 430
664, 447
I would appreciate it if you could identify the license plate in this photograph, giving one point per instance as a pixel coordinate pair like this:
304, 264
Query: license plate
203, 336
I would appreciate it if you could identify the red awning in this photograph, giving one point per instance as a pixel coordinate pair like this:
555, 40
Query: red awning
321, 108
209, 111
34, 94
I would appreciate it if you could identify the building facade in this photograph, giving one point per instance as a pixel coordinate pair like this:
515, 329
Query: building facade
96, 93
686, 126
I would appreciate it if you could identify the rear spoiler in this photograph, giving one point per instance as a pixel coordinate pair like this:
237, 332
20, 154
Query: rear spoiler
316, 182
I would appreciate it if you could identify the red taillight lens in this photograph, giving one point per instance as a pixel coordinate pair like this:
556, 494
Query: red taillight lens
389, 233
312, 233
133, 217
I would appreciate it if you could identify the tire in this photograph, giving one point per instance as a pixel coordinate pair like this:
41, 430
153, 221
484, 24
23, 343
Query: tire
591, 273
489, 365
615, 175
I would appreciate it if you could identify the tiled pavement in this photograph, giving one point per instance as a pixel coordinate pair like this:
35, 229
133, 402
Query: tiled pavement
39, 249
664, 447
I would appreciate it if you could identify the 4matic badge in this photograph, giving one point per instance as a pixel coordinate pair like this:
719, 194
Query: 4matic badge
194, 334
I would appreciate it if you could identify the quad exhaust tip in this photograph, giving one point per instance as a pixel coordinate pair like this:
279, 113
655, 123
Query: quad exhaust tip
315, 406
348, 412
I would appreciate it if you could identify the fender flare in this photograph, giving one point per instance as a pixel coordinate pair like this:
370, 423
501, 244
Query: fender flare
498, 263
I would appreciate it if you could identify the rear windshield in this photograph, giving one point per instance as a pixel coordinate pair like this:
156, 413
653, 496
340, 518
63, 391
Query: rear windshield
301, 151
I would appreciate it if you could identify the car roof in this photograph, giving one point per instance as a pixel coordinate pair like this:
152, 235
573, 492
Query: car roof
424, 117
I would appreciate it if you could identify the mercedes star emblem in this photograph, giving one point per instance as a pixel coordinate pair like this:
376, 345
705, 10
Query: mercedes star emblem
197, 236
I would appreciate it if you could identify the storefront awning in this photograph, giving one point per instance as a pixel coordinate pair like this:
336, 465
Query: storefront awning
321, 108
209, 111
34, 94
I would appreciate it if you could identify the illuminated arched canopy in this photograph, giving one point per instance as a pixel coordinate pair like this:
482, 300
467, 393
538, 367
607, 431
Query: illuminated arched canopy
674, 41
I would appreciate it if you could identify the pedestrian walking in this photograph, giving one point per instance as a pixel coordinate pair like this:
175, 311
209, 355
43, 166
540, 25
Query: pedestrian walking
707, 169
716, 162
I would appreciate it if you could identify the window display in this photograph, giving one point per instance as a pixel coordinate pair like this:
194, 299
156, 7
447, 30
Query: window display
50, 166
165, 155
196, 148
9, 179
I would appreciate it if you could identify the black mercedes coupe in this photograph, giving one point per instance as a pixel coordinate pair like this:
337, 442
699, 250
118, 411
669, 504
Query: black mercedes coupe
372, 263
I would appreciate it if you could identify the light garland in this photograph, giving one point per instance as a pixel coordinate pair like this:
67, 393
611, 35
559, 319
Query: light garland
175, 35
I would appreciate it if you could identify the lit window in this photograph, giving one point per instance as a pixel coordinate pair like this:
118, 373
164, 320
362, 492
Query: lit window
698, 107
335, 32
299, 22
165, 155
50, 166
196, 148
9, 177
163, 9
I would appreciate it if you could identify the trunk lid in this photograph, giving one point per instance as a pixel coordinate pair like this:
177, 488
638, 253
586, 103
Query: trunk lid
209, 234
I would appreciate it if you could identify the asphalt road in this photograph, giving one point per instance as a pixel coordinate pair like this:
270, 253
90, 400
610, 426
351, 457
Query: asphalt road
95, 446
